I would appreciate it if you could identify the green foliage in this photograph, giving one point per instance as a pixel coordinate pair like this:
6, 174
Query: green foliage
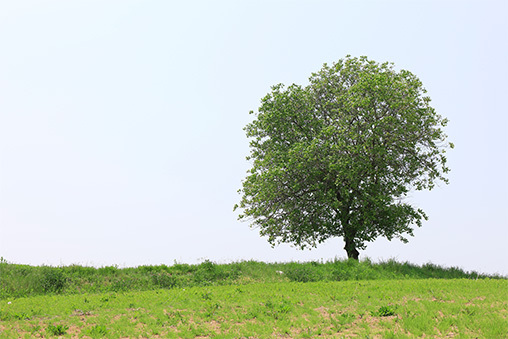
57, 330
384, 311
337, 157
21, 316
208, 273
23, 280
346, 318
163, 280
302, 273
277, 309
97, 331
52, 280
212, 309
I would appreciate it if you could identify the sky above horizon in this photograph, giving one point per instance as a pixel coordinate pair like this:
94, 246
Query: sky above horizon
121, 123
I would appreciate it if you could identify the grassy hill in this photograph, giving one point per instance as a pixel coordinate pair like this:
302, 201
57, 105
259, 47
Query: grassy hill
251, 299
24, 280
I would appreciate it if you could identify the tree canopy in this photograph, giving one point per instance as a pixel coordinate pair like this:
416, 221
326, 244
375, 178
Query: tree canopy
337, 158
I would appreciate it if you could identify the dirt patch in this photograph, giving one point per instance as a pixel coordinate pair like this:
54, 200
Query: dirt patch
471, 302
80, 313
214, 326
74, 331
443, 301
323, 311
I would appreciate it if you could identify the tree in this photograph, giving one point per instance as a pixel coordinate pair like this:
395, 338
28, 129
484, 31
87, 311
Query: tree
338, 157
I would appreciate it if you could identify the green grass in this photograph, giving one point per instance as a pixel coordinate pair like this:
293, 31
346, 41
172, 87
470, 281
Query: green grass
23, 280
337, 299
376, 308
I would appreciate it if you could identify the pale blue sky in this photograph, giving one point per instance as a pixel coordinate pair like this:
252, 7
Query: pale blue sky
121, 136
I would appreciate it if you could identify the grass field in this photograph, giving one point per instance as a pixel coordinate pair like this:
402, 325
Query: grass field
338, 299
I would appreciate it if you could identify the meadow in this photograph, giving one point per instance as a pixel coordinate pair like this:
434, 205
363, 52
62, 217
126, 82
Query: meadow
336, 299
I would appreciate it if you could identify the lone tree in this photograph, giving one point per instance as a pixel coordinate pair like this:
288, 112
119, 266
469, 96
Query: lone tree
336, 158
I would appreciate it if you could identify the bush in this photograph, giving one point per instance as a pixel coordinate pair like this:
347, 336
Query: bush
302, 273
122, 284
163, 280
108, 270
209, 272
52, 280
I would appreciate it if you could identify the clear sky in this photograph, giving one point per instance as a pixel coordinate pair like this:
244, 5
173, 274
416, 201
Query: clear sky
121, 136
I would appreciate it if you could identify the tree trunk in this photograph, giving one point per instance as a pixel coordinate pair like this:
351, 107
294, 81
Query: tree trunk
352, 252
